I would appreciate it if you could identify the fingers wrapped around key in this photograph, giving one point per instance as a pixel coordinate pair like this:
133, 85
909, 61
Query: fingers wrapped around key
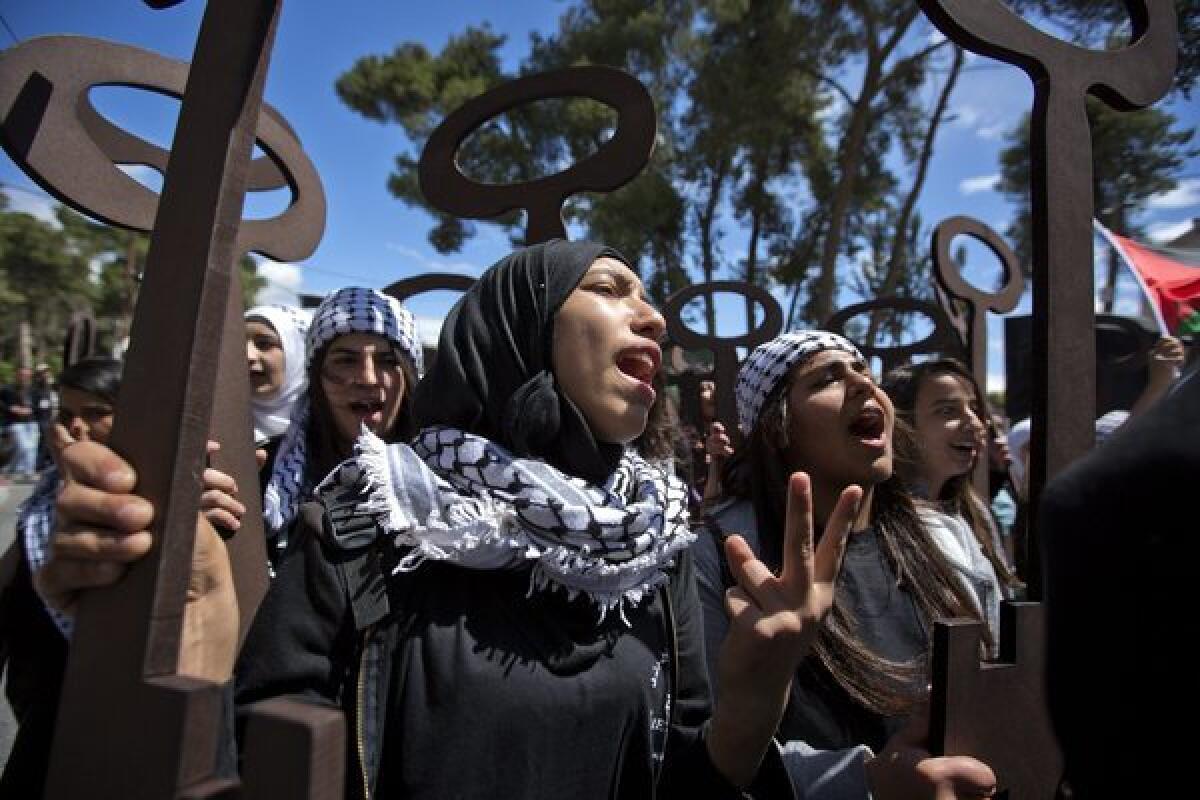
219, 500
101, 526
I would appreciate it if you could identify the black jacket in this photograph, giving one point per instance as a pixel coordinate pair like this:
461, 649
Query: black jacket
460, 683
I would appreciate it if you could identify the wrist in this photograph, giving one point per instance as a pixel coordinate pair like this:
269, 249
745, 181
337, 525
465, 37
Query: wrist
737, 741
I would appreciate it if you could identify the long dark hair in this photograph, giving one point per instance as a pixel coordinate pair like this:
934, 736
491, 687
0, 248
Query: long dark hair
957, 495
759, 473
325, 449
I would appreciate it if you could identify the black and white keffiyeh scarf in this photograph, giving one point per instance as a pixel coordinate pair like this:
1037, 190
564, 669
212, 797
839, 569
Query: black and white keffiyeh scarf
771, 361
346, 311
460, 498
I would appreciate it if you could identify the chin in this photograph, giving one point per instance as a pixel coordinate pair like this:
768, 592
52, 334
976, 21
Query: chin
623, 428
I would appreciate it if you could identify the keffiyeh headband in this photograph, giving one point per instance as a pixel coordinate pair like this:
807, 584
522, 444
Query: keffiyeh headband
350, 310
769, 363
359, 310
460, 498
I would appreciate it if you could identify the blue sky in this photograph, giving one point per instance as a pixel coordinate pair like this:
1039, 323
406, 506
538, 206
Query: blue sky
373, 239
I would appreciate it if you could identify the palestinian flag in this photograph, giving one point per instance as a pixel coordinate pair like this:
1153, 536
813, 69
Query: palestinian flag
1169, 277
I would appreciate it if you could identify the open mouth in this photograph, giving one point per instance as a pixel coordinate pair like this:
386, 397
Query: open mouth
869, 425
365, 408
641, 364
964, 450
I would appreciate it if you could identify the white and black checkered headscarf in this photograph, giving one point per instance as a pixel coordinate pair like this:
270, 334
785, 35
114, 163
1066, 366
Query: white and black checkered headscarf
769, 363
346, 311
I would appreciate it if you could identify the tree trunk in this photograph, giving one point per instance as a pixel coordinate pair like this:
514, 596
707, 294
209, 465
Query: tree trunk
896, 265
708, 262
850, 157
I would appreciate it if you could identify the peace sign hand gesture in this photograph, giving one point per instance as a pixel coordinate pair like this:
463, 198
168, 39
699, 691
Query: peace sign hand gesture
773, 622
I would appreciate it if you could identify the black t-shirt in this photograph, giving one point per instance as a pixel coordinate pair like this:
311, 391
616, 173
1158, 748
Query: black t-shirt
15, 396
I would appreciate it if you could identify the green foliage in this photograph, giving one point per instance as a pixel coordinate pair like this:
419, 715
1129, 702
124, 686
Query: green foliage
43, 278
48, 271
1135, 155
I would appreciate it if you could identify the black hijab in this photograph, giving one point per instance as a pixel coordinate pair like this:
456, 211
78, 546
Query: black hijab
493, 375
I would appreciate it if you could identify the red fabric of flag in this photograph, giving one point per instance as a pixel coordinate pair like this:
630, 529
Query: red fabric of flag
1172, 281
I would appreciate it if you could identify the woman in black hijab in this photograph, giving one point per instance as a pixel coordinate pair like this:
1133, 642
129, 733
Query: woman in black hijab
506, 607
494, 375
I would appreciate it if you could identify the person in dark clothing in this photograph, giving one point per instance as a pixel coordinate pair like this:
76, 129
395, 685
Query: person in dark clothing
20, 425
363, 361
806, 401
34, 636
529, 625
1119, 544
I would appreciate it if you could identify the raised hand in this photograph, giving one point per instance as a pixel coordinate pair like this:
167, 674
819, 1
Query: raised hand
102, 527
717, 448
774, 620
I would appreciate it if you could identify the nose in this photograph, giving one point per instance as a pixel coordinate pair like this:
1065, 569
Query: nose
368, 374
648, 321
859, 382
976, 425
78, 429
251, 353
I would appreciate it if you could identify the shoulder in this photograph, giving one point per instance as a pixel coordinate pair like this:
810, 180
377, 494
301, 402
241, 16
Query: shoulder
736, 516
724, 519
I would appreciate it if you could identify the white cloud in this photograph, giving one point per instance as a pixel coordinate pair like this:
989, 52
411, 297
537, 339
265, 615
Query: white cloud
32, 204
980, 183
1163, 232
992, 132
936, 37
428, 264
1186, 193
283, 283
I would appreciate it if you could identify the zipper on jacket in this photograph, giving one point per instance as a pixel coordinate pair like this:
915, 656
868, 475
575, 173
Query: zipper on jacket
672, 687
360, 702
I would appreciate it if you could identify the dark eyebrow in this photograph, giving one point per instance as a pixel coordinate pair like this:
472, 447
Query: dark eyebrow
626, 278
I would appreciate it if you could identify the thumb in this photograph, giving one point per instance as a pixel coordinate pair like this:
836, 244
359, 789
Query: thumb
60, 440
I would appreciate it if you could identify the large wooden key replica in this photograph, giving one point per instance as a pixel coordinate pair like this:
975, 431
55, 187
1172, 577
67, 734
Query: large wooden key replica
976, 302
129, 726
1061, 192
941, 339
997, 711
617, 162
724, 349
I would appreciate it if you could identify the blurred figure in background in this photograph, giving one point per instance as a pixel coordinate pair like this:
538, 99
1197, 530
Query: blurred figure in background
20, 424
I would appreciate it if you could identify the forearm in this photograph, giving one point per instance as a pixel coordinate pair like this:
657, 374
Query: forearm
741, 732
209, 645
